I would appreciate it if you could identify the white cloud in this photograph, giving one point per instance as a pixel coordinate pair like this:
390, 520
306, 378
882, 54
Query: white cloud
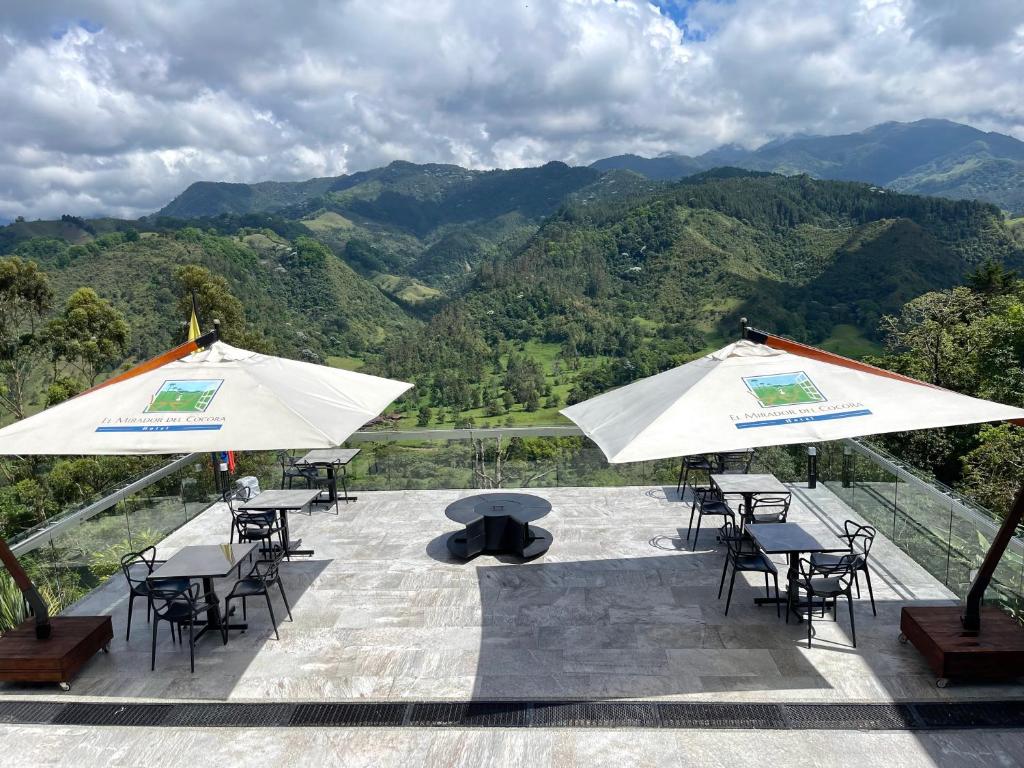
114, 106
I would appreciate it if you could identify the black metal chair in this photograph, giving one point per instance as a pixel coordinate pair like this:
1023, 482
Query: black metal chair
743, 555
827, 584
137, 568
292, 470
768, 509
179, 607
859, 538
707, 502
692, 464
264, 575
262, 527
734, 462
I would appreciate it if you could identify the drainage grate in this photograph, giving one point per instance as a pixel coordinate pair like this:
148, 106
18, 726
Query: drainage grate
850, 716
595, 714
705, 715
85, 713
223, 715
351, 714
526, 714
29, 712
967, 714
471, 714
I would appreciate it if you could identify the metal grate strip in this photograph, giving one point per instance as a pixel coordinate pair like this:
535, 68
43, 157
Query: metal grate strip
969, 714
525, 714
88, 713
226, 715
595, 714
29, 712
714, 715
349, 714
850, 716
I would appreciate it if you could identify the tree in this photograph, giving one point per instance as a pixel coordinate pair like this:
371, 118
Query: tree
424, 416
507, 400
25, 299
215, 301
90, 336
532, 401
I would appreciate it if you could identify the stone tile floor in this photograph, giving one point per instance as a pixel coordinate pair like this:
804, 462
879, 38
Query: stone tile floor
616, 609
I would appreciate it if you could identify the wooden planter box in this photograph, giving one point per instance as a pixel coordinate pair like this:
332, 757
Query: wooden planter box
72, 642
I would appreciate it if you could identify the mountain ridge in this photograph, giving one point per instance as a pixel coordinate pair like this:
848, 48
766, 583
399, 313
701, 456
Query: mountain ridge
930, 156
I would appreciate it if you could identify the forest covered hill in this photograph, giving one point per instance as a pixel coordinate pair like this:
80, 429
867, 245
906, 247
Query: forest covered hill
926, 157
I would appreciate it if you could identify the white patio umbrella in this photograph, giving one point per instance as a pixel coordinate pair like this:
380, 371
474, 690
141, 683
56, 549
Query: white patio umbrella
748, 395
220, 399
766, 390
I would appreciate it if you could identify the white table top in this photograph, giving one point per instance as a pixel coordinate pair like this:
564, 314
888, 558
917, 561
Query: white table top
748, 484
337, 456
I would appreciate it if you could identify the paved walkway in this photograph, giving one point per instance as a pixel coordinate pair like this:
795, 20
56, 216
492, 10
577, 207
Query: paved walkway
616, 609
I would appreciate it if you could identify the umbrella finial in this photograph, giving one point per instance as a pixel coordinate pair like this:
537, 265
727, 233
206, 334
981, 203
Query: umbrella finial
743, 327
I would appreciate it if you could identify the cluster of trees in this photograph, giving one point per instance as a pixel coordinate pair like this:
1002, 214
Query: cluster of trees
970, 339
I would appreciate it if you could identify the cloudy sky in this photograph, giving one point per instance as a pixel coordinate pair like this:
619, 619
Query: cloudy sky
115, 106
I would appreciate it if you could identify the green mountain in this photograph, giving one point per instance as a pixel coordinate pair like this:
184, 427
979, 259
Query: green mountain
297, 293
631, 286
402, 219
928, 157
575, 279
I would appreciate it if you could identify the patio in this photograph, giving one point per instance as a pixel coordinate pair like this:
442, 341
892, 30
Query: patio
615, 610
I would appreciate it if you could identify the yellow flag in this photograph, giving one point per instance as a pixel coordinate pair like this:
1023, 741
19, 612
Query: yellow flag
193, 326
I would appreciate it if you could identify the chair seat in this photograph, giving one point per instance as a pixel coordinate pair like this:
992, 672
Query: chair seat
169, 585
823, 560
755, 561
764, 519
827, 587
247, 587
179, 612
715, 507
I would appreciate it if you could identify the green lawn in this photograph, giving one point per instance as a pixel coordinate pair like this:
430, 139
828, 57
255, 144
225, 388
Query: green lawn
849, 341
348, 363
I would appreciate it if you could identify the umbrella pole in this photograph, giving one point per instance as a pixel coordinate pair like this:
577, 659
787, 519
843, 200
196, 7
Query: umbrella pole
28, 589
972, 609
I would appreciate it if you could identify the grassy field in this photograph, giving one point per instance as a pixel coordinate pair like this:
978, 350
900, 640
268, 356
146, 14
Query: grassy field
348, 363
848, 341
407, 289
328, 221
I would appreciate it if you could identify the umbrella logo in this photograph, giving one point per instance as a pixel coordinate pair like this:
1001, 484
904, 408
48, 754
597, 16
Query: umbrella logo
188, 396
784, 389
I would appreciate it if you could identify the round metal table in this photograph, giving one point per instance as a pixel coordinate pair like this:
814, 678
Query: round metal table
499, 523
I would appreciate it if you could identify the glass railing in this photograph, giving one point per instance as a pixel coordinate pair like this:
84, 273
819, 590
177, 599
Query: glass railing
944, 532
71, 553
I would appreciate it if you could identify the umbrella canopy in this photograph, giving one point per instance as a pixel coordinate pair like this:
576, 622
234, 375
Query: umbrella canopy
748, 395
220, 399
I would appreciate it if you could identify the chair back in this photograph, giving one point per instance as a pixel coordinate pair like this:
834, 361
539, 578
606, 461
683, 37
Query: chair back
770, 509
844, 570
172, 603
860, 537
736, 541
267, 570
258, 525
735, 462
137, 566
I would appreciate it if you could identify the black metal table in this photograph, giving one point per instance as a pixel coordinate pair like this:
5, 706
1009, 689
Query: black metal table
206, 562
282, 502
792, 540
332, 459
497, 523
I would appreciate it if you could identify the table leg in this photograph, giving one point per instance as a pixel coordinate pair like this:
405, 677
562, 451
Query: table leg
291, 547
